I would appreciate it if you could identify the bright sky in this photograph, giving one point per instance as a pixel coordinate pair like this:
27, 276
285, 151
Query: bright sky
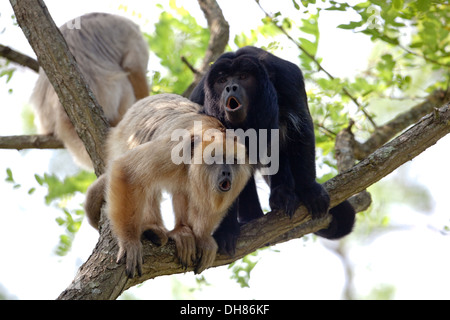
414, 259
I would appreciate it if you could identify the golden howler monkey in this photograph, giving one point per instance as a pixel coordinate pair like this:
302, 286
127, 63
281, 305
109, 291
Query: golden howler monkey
163, 143
112, 56
253, 89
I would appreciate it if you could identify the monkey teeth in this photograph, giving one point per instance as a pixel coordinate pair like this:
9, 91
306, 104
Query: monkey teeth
233, 103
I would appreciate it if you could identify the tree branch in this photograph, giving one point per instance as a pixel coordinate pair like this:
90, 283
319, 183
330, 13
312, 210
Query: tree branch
63, 72
19, 58
101, 278
219, 35
384, 133
30, 142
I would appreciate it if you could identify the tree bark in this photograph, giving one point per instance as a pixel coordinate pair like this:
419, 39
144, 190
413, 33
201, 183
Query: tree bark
218, 39
101, 278
63, 72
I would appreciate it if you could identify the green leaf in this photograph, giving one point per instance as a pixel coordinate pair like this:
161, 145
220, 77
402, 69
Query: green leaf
39, 179
9, 175
351, 26
398, 4
58, 189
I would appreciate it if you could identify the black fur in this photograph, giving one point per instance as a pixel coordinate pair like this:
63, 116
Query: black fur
276, 100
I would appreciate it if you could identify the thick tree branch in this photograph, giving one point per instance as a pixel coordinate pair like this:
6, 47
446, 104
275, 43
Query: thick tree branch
345, 157
63, 72
219, 35
30, 142
101, 278
19, 58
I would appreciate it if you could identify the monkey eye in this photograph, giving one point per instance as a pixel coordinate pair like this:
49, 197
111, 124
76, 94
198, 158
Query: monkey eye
222, 80
243, 76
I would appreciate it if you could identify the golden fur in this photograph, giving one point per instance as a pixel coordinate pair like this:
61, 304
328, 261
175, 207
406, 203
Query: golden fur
112, 56
140, 166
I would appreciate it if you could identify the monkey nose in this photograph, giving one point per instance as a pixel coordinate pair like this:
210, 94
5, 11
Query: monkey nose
225, 185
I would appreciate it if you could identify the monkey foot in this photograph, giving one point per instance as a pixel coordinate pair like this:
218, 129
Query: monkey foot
185, 242
206, 253
131, 254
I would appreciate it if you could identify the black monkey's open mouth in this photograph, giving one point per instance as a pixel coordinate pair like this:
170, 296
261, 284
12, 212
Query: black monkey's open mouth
233, 103
225, 185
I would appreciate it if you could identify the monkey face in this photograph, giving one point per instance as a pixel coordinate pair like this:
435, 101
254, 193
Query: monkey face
235, 95
224, 168
224, 181
235, 86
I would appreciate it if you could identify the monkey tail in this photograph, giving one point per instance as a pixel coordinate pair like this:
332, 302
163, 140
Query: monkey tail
95, 196
342, 223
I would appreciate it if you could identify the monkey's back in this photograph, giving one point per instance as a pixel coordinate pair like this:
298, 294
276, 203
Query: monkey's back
155, 118
99, 45
110, 51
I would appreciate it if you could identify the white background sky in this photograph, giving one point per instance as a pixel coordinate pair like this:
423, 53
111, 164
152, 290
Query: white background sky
414, 259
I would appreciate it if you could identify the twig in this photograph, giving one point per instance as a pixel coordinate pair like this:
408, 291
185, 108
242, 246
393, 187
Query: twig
424, 57
189, 65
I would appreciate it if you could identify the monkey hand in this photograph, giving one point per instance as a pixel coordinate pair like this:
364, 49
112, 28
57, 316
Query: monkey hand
206, 253
316, 199
131, 253
284, 198
185, 242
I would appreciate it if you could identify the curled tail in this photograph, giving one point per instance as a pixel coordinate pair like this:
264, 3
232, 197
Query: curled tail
95, 196
341, 224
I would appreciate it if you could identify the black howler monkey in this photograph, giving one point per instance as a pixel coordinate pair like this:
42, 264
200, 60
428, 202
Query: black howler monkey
253, 89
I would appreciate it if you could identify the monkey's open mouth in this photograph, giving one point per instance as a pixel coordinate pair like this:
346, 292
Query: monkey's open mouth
225, 185
233, 103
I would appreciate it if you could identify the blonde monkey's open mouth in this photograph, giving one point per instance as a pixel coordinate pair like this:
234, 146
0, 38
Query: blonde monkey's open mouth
225, 185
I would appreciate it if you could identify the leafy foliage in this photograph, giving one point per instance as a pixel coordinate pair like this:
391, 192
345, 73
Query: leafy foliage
60, 192
66, 188
242, 268
410, 35
176, 35
6, 71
